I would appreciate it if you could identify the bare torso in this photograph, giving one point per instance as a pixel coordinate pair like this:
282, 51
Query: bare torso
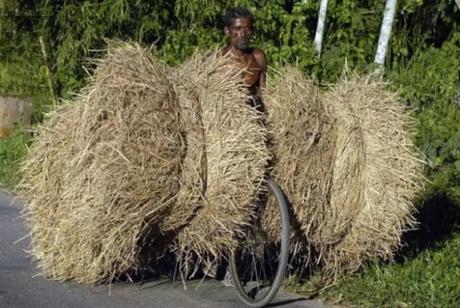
253, 63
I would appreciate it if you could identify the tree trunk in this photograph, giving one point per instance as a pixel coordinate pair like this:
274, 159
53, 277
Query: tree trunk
385, 32
320, 28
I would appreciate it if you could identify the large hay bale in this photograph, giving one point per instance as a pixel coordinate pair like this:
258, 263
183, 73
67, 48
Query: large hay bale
104, 170
235, 156
376, 175
302, 142
347, 164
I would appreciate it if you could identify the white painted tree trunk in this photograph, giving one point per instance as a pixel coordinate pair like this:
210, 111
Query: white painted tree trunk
385, 32
320, 28
458, 3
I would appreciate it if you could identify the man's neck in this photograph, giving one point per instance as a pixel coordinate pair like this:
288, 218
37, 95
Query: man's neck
237, 52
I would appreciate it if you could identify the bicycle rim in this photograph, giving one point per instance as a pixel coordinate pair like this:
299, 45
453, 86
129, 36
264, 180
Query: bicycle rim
258, 267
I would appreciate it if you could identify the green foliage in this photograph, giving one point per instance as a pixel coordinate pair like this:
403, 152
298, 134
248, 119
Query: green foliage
430, 84
430, 76
74, 30
12, 149
23, 69
356, 28
439, 139
35, 85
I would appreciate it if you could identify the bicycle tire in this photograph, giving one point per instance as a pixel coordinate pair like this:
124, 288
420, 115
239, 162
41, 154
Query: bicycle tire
283, 256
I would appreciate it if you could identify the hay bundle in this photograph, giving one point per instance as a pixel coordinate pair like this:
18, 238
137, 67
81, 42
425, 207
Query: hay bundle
43, 182
346, 162
235, 154
194, 164
376, 175
302, 138
104, 170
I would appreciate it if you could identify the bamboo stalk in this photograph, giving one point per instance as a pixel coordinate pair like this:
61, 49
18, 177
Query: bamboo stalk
48, 73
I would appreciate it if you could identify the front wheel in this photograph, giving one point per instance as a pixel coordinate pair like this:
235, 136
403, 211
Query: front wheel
258, 267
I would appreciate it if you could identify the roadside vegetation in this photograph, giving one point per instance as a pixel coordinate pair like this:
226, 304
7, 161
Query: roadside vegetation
428, 280
12, 149
43, 50
22, 73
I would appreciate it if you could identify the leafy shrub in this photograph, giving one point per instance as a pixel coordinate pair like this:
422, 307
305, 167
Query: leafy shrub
430, 85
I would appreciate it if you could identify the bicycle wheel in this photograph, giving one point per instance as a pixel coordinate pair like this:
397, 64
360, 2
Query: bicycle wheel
258, 267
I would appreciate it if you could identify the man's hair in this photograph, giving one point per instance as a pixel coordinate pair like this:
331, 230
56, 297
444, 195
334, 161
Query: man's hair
237, 12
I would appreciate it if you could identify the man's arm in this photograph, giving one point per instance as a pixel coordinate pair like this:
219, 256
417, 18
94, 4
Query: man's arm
260, 58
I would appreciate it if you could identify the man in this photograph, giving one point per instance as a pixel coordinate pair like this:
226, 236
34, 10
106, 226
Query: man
238, 29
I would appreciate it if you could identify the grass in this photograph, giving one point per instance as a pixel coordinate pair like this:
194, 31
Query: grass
429, 280
12, 150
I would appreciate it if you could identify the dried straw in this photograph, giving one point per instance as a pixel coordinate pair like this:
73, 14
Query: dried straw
347, 164
194, 164
302, 137
104, 170
235, 156
144, 151
376, 175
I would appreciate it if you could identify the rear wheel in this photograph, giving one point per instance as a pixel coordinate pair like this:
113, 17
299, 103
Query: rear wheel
258, 267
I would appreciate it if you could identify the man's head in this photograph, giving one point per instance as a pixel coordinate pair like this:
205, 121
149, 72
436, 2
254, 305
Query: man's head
238, 27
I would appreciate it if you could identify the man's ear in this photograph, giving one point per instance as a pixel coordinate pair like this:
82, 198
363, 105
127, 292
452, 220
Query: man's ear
227, 31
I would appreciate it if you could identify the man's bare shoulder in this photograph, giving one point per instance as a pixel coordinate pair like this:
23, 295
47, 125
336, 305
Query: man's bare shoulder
258, 52
259, 56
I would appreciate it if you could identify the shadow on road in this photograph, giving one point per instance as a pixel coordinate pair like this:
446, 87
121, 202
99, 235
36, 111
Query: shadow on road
286, 302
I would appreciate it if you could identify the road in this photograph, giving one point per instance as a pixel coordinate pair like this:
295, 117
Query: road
21, 287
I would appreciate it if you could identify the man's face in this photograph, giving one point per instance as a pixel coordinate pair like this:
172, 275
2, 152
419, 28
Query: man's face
239, 32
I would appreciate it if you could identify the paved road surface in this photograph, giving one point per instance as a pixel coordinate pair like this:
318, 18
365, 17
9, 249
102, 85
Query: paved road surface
19, 287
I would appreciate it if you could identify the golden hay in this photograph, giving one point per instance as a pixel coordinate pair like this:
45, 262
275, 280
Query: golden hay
235, 159
144, 151
376, 175
104, 170
347, 164
194, 164
302, 138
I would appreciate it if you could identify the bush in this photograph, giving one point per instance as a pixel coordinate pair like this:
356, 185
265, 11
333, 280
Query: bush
430, 85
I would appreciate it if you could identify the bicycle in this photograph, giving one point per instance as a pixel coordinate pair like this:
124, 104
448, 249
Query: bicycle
259, 283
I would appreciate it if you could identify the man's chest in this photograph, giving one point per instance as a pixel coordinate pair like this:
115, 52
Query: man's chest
252, 69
